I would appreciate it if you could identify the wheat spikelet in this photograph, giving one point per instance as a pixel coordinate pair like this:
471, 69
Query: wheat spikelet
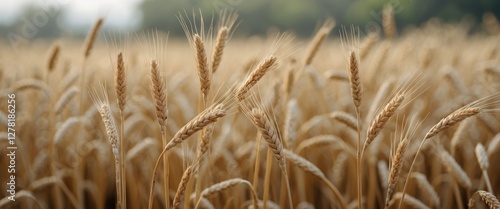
396, 166
338, 169
388, 22
320, 36
323, 140
427, 190
255, 76
222, 36
32, 84
202, 65
455, 170
303, 164
354, 79
452, 119
216, 188
65, 98
383, 117
140, 147
120, 82
91, 37
453, 77
159, 94
345, 118
54, 56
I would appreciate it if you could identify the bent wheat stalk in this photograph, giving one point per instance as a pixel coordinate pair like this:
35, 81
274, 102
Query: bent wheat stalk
211, 115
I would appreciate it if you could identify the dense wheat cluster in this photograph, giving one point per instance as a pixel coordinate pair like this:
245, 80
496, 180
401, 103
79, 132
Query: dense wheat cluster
402, 119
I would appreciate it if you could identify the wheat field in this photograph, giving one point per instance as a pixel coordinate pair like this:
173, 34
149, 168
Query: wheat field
344, 119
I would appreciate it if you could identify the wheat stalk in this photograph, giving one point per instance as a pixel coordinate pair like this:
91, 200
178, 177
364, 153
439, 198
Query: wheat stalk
203, 119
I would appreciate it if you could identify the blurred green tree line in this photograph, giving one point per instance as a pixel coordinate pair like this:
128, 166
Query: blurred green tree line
298, 16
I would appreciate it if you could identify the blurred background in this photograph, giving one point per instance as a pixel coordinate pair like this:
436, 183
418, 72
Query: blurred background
28, 19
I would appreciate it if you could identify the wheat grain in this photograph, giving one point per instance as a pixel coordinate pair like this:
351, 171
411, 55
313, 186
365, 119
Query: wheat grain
227, 185
428, 191
318, 39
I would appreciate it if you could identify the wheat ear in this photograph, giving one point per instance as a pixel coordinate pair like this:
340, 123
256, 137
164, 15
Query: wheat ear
427, 189
487, 198
202, 65
222, 36
484, 164
396, 166
216, 188
318, 39
383, 117
307, 166
53, 56
120, 82
367, 44
182, 186
104, 109
344, 118
65, 98
91, 37
389, 24
409, 200
451, 120
159, 94
455, 170
255, 76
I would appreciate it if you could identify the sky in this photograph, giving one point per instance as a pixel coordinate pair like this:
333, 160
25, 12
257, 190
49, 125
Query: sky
118, 13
